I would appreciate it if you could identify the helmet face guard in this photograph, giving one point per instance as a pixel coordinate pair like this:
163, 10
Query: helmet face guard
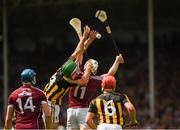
94, 66
69, 68
28, 76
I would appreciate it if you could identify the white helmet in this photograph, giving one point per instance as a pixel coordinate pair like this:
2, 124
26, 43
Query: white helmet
94, 66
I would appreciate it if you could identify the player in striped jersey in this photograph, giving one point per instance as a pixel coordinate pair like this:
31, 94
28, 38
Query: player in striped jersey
57, 87
80, 96
109, 108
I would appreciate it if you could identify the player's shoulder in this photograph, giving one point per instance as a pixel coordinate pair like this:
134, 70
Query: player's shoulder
98, 97
37, 89
16, 91
96, 77
14, 94
119, 94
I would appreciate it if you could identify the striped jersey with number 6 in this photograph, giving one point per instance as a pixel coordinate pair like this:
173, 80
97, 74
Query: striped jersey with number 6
109, 108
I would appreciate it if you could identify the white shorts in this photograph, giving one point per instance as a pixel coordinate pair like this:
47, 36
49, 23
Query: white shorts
76, 117
55, 110
109, 127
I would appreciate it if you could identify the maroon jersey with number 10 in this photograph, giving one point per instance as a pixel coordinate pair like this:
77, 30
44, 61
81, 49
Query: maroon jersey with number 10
27, 102
80, 96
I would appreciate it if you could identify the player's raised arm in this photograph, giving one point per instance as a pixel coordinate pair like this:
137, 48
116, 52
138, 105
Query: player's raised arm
91, 38
86, 33
78, 51
85, 78
80, 47
9, 116
119, 60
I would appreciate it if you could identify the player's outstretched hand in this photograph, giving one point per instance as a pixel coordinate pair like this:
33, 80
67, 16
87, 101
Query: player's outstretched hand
132, 124
120, 58
86, 31
93, 35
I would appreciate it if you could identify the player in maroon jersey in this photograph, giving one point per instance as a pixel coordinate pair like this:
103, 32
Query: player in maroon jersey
28, 102
80, 96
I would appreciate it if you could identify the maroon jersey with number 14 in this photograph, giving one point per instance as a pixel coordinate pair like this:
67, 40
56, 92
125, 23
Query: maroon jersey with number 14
80, 96
27, 102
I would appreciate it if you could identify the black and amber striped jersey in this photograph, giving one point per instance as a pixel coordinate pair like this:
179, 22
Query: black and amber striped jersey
109, 108
56, 88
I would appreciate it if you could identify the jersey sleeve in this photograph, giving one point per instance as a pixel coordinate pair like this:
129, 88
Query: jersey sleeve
92, 107
70, 84
99, 80
125, 99
43, 98
58, 75
65, 84
10, 99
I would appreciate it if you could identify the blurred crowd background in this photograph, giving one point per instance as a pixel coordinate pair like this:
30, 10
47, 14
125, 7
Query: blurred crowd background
39, 36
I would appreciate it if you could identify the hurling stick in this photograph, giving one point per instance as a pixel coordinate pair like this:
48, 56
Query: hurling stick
76, 24
102, 16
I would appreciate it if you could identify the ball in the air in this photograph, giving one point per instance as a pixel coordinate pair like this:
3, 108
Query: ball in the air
98, 36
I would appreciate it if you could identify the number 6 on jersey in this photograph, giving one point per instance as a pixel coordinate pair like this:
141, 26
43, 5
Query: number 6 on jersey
109, 109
